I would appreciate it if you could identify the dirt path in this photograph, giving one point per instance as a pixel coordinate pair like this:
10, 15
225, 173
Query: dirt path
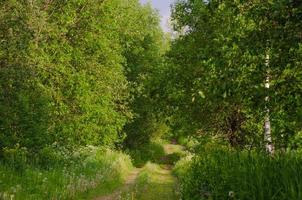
173, 148
156, 181
129, 182
152, 182
160, 185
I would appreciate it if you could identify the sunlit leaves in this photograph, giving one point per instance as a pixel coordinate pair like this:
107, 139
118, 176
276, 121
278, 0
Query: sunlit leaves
64, 69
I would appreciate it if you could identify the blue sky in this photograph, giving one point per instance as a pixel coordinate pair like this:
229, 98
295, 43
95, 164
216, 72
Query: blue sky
163, 6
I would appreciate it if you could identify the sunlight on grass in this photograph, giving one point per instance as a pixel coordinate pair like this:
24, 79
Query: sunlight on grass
154, 183
100, 172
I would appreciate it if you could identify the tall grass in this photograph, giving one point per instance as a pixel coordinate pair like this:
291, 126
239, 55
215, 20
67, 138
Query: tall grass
99, 171
226, 174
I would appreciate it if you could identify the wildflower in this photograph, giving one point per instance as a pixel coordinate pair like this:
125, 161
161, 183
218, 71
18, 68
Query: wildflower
12, 197
231, 194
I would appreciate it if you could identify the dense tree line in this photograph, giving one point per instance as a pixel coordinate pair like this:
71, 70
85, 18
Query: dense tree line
94, 72
75, 72
223, 53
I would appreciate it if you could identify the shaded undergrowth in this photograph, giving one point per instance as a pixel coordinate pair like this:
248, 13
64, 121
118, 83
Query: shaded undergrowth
156, 151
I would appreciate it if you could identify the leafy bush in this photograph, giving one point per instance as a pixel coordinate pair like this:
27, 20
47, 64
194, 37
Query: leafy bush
227, 174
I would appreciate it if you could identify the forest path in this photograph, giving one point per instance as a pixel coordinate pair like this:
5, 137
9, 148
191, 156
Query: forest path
156, 182
152, 182
129, 182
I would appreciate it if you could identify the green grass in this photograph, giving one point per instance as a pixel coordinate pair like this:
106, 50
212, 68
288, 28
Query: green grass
99, 172
156, 182
228, 174
153, 183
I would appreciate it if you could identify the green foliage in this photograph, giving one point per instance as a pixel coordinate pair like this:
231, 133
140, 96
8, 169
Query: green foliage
70, 69
60, 88
220, 173
216, 74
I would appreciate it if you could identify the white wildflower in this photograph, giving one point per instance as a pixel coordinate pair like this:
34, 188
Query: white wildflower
231, 194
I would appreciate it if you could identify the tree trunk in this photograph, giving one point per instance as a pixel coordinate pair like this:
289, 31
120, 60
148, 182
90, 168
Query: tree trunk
267, 124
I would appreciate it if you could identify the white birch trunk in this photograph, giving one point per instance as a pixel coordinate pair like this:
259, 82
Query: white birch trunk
267, 124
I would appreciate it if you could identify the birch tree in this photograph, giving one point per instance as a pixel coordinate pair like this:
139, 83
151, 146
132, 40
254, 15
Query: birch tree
267, 124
